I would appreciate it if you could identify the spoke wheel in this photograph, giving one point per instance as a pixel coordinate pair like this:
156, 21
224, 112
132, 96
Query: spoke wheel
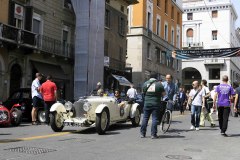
102, 121
166, 121
56, 122
41, 116
16, 117
136, 120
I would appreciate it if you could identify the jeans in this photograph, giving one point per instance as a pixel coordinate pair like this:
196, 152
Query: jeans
195, 115
155, 120
47, 106
223, 115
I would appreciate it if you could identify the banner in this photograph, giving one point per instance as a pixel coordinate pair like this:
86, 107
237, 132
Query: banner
206, 53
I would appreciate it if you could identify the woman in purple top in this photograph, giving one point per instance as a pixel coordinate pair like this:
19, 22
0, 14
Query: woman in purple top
224, 94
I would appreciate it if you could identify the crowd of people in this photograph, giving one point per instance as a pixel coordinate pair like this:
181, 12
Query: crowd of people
199, 100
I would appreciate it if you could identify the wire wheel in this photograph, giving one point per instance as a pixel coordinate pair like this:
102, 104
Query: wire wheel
166, 121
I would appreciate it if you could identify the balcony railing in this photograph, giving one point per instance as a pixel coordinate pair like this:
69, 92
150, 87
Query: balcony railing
23, 38
192, 44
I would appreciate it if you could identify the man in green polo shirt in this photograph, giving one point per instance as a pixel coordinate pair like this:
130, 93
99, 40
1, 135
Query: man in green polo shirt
153, 91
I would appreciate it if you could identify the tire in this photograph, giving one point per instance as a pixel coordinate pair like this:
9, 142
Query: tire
136, 120
16, 117
166, 121
41, 116
55, 122
102, 121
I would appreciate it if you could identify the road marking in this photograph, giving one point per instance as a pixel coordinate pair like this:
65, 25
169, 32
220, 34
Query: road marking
44, 136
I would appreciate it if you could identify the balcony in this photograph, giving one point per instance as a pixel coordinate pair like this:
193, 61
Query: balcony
192, 45
54, 46
18, 36
30, 40
117, 64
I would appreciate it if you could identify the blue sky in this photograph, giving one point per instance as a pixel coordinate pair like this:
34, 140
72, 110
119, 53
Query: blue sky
237, 7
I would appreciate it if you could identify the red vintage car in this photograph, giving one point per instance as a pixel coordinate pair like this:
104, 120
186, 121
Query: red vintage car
12, 117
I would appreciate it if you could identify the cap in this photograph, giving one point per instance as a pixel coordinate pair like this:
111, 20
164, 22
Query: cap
99, 84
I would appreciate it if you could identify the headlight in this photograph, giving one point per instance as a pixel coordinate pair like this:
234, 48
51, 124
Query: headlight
86, 106
68, 106
3, 116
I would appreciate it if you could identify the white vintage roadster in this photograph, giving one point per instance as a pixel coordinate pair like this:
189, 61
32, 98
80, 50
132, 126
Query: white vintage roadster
93, 111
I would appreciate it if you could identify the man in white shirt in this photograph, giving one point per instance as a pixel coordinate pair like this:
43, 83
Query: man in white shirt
36, 97
196, 95
132, 93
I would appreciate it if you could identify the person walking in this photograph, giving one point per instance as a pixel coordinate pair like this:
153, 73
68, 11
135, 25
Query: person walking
237, 102
181, 100
132, 93
224, 93
153, 92
36, 97
206, 111
197, 101
49, 92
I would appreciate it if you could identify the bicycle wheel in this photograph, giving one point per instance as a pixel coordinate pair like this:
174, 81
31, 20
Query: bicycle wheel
166, 121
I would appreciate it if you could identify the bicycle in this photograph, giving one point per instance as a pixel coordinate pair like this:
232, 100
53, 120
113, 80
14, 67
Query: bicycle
167, 117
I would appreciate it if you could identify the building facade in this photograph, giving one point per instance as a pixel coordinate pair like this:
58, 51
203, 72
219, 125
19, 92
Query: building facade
36, 36
155, 30
209, 25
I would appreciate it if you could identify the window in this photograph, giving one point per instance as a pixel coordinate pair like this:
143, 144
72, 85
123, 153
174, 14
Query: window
67, 4
178, 18
65, 39
189, 16
37, 24
214, 35
105, 48
189, 37
166, 32
164, 57
149, 21
158, 26
172, 13
148, 51
122, 8
158, 55
172, 37
166, 6
107, 18
121, 26
120, 53
214, 14
214, 73
158, 3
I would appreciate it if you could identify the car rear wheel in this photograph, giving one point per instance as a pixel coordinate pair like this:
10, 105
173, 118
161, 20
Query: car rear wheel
16, 117
136, 119
102, 121
41, 116
56, 122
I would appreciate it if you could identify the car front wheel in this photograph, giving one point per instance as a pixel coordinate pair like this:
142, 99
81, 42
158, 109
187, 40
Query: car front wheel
16, 117
136, 119
102, 121
56, 122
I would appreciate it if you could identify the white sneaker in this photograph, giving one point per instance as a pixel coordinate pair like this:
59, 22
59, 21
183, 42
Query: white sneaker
192, 128
197, 129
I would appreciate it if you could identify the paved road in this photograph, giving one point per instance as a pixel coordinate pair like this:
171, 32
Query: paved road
122, 142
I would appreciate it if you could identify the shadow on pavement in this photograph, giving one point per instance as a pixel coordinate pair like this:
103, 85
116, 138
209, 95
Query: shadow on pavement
176, 122
208, 129
233, 135
5, 134
171, 136
177, 130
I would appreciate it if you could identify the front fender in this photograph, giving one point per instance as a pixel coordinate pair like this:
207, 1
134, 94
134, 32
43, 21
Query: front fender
100, 108
133, 110
58, 107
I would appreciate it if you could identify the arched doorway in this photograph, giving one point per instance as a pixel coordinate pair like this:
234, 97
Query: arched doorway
15, 77
189, 75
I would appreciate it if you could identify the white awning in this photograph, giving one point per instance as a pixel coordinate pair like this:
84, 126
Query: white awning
122, 80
